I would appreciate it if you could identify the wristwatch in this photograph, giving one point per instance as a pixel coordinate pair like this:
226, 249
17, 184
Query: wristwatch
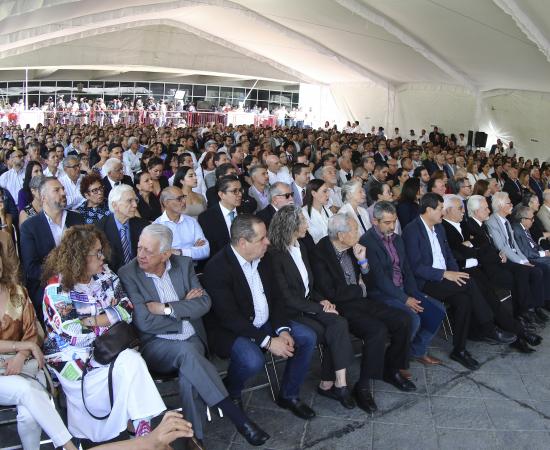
167, 310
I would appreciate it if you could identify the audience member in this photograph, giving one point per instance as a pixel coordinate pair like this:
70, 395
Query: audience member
353, 196
148, 206
35, 204
279, 195
94, 207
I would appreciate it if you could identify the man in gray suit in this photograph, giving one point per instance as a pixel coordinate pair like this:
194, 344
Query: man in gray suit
169, 303
524, 218
503, 239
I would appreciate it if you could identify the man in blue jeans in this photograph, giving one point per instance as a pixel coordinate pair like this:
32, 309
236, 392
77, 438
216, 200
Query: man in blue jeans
393, 283
248, 316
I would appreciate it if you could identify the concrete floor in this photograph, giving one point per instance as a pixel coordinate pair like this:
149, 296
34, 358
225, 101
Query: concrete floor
503, 405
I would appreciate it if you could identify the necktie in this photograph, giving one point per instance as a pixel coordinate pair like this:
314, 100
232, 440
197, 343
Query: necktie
509, 232
125, 241
530, 239
117, 183
516, 182
232, 215
303, 194
348, 176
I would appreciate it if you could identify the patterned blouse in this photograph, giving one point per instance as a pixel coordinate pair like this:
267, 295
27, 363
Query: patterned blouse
19, 321
92, 215
68, 342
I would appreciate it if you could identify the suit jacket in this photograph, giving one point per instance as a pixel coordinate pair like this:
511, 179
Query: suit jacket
419, 252
266, 214
248, 204
538, 188
487, 253
379, 158
430, 165
36, 242
524, 245
289, 280
232, 314
214, 227
460, 252
514, 190
370, 183
297, 194
329, 278
108, 226
141, 289
406, 212
381, 284
544, 216
107, 185
500, 239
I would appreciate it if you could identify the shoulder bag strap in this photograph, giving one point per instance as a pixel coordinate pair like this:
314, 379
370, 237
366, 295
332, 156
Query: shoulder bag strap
110, 381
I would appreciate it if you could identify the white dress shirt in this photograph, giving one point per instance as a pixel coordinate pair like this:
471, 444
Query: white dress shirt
335, 197
470, 262
167, 294
13, 181
296, 255
57, 230
72, 190
226, 217
282, 175
437, 253
318, 222
132, 160
186, 231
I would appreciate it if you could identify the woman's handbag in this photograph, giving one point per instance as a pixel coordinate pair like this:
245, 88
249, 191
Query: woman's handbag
105, 350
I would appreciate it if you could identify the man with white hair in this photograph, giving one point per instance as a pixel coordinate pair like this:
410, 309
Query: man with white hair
114, 175
122, 227
132, 157
329, 176
276, 171
169, 305
502, 235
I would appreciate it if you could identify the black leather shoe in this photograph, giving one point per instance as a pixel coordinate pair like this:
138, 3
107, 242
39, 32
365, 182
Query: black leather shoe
534, 319
364, 399
297, 407
541, 315
498, 336
465, 359
341, 394
527, 321
532, 338
399, 382
253, 434
522, 346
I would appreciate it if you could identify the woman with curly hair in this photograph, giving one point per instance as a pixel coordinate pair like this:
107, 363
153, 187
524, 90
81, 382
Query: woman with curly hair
294, 276
82, 300
20, 365
95, 207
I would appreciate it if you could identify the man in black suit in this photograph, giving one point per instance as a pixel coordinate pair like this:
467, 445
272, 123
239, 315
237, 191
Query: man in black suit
495, 282
513, 187
378, 177
43, 232
114, 175
280, 194
340, 271
122, 227
381, 156
247, 205
248, 316
216, 221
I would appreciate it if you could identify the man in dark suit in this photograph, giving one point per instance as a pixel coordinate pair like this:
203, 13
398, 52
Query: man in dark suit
122, 227
279, 195
216, 221
248, 316
247, 204
392, 281
494, 281
340, 271
169, 305
437, 275
381, 156
536, 184
378, 177
114, 175
43, 232
513, 187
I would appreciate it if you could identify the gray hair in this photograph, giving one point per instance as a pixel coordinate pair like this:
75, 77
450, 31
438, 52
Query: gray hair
36, 181
43, 183
162, 234
70, 159
131, 140
284, 224
166, 193
499, 200
116, 194
448, 200
243, 228
276, 189
338, 223
255, 169
350, 188
520, 212
383, 207
474, 203
110, 165
359, 172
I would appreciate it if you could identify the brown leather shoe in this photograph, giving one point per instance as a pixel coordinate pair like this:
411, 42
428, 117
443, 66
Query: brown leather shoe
405, 374
428, 360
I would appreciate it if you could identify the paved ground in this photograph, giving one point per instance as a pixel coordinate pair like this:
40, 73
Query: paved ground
503, 405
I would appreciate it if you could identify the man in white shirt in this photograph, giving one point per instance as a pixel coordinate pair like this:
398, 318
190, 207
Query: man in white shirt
12, 180
423, 137
328, 175
71, 179
52, 162
188, 237
276, 172
132, 157
461, 141
346, 170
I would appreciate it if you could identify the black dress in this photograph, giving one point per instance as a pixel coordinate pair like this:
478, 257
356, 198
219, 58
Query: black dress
149, 211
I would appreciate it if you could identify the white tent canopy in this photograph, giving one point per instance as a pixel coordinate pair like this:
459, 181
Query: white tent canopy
469, 64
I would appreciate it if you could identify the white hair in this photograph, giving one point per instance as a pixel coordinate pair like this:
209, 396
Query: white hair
162, 234
338, 223
116, 194
499, 200
349, 188
474, 203
448, 200
131, 140
110, 164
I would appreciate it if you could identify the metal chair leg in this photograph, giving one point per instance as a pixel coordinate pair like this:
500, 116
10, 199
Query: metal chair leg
275, 371
269, 382
449, 324
321, 355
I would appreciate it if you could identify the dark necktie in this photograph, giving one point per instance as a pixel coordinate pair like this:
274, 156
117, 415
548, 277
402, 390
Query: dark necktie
509, 232
125, 241
117, 183
303, 194
531, 240
516, 182
348, 176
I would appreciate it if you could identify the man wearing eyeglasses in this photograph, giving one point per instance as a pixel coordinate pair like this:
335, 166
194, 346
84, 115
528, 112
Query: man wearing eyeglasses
70, 179
12, 180
280, 194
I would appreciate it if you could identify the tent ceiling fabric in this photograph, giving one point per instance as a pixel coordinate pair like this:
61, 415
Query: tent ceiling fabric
478, 44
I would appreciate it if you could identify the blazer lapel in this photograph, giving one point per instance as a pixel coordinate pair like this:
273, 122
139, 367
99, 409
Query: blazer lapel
221, 221
424, 234
178, 280
48, 236
238, 275
148, 284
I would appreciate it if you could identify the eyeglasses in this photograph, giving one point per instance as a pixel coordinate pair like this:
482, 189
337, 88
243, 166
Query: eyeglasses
235, 191
98, 255
181, 198
287, 195
96, 190
528, 218
73, 167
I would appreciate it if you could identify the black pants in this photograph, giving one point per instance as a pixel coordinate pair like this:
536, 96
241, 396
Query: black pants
528, 291
373, 322
460, 300
543, 264
332, 333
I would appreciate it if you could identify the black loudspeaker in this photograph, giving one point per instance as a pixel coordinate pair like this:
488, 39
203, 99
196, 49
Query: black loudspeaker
480, 139
470, 138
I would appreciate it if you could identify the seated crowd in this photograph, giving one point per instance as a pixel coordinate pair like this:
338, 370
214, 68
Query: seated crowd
242, 242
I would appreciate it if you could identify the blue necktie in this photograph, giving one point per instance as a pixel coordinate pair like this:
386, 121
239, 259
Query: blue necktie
232, 215
125, 241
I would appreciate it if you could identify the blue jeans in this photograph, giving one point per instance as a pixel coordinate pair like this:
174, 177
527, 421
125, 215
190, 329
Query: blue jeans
247, 359
420, 337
